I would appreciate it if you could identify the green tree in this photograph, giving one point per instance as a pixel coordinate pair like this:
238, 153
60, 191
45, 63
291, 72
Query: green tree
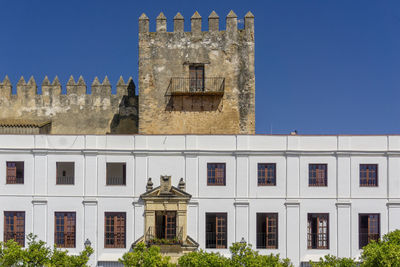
38, 254
384, 252
242, 255
332, 261
203, 259
144, 256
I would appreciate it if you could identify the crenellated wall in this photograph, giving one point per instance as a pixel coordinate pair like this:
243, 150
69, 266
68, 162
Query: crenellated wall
75, 112
228, 60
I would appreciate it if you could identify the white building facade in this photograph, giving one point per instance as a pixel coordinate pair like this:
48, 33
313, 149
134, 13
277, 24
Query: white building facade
300, 196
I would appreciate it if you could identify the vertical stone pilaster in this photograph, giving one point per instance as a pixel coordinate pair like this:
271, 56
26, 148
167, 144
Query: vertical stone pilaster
90, 173
40, 218
40, 174
242, 221
394, 215
91, 227
242, 176
293, 231
344, 229
292, 175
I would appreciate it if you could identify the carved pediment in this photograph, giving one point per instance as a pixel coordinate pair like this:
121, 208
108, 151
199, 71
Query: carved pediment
166, 190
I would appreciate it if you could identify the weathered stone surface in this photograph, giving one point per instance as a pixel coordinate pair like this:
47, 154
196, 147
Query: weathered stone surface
75, 112
224, 54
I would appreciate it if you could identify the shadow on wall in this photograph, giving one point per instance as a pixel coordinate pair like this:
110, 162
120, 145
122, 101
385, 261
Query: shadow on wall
194, 103
126, 120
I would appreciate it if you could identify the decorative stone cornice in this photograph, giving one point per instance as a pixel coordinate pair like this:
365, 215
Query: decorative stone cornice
292, 203
39, 201
393, 204
241, 203
343, 203
89, 202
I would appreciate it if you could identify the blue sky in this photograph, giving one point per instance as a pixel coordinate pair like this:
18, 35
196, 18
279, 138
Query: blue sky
322, 67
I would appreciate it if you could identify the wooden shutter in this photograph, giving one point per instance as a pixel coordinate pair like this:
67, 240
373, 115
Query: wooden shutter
220, 224
119, 230
11, 173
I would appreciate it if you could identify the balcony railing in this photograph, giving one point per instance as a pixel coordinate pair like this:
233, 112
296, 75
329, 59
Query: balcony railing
215, 240
116, 180
190, 86
365, 238
65, 180
11, 179
318, 241
267, 241
161, 235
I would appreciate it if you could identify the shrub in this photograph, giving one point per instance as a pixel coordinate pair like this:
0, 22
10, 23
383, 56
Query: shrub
144, 256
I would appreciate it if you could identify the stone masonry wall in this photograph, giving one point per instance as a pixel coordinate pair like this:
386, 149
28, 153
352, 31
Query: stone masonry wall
228, 54
75, 112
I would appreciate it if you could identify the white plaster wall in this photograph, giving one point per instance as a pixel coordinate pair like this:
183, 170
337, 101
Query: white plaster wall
187, 157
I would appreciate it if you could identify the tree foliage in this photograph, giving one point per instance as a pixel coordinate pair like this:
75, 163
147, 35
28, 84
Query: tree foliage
384, 252
242, 255
143, 256
38, 254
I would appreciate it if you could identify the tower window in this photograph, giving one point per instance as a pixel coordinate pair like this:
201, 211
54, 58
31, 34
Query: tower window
196, 77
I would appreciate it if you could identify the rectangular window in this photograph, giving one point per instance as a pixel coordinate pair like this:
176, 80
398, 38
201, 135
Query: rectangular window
196, 77
266, 174
368, 228
64, 229
318, 175
216, 230
369, 175
14, 226
65, 173
318, 231
114, 229
267, 230
166, 225
216, 174
116, 173
15, 172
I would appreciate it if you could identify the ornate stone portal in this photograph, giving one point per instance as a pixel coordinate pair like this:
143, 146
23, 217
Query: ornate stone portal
166, 218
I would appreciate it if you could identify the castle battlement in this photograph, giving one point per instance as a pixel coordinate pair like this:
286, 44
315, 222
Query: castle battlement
72, 111
79, 87
196, 21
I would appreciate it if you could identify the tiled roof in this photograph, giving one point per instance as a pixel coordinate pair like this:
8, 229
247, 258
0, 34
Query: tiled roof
23, 123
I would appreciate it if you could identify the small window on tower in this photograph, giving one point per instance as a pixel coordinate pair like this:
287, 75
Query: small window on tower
196, 77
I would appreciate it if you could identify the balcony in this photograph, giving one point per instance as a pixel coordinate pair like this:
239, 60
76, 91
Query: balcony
65, 180
183, 86
164, 236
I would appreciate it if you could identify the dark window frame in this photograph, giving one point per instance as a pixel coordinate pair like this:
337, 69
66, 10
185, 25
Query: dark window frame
264, 174
216, 233
61, 181
369, 234
212, 179
13, 228
65, 229
196, 77
366, 171
315, 170
109, 180
114, 237
269, 233
316, 240
15, 174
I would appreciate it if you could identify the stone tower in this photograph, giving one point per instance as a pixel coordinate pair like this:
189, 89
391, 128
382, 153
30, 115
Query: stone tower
197, 82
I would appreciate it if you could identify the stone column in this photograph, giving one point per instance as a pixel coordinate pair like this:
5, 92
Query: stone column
91, 227
344, 228
293, 231
181, 214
